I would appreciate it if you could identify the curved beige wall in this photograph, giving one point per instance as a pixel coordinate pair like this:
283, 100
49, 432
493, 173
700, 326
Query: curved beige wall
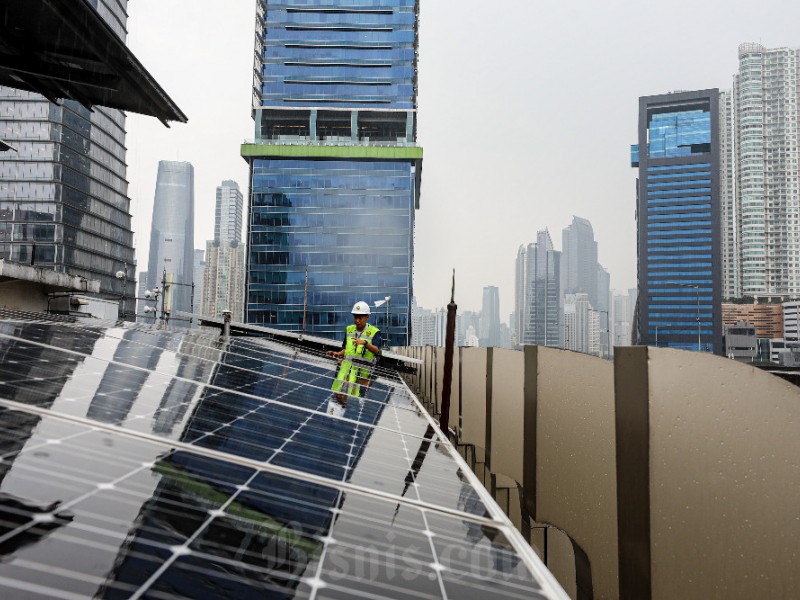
576, 457
439, 379
473, 399
724, 479
508, 413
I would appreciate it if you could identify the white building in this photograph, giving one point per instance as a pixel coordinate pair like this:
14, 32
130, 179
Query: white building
470, 339
223, 278
199, 271
791, 321
581, 325
423, 325
622, 311
762, 218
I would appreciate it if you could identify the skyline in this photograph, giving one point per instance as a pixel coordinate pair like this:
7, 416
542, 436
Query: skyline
522, 159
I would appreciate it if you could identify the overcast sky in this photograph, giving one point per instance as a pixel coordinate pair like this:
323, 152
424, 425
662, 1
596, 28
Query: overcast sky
527, 113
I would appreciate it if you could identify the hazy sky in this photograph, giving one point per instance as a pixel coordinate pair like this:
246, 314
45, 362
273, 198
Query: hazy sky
527, 113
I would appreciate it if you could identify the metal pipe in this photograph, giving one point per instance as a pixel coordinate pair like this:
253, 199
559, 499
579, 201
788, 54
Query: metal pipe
305, 304
226, 324
450, 335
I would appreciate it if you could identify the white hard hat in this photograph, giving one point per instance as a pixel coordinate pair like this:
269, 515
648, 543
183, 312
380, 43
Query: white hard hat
360, 308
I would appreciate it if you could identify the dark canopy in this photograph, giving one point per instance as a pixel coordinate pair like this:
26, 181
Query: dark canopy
64, 49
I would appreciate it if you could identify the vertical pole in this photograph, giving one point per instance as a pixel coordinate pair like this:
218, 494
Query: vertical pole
354, 125
226, 324
305, 303
450, 335
163, 293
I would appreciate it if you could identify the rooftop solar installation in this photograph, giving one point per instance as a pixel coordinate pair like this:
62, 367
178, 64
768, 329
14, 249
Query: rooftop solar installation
142, 462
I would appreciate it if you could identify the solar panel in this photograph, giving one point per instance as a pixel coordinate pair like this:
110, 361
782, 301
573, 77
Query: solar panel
142, 462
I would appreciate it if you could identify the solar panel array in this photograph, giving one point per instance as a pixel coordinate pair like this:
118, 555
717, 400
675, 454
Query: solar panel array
143, 462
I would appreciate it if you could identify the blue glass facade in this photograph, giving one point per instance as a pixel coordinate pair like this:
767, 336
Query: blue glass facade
358, 54
679, 221
350, 223
335, 171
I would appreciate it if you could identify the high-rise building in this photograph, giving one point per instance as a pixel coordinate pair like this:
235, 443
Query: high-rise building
140, 295
579, 259
335, 169
541, 279
489, 336
766, 209
171, 261
440, 326
228, 212
518, 318
678, 217
622, 310
731, 251
423, 325
198, 272
602, 306
64, 201
581, 325
223, 280
468, 320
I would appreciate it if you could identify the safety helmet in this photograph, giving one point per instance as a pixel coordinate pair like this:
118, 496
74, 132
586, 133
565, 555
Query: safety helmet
360, 308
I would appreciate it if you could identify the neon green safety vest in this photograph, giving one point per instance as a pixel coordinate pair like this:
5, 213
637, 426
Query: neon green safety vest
350, 348
349, 372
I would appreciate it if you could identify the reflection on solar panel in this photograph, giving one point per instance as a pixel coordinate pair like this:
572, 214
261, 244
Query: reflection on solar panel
146, 463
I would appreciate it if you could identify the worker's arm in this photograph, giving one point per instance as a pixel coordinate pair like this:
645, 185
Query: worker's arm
339, 354
374, 346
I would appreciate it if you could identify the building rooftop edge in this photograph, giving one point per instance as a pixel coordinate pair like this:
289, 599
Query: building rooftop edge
12, 270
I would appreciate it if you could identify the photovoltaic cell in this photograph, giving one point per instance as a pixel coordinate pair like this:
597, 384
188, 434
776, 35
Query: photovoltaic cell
143, 462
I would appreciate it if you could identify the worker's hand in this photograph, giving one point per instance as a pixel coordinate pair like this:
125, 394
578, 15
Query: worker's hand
332, 354
361, 342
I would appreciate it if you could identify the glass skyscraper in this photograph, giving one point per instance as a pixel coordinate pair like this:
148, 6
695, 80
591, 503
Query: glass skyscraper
579, 259
678, 216
538, 273
335, 169
172, 238
489, 336
64, 194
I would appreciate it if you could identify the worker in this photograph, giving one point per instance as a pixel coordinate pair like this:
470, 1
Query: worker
360, 350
